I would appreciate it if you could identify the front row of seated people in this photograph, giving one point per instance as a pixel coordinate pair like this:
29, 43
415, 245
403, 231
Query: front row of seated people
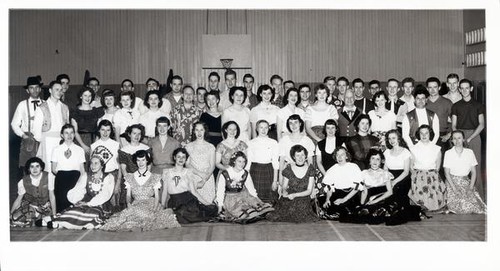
395, 186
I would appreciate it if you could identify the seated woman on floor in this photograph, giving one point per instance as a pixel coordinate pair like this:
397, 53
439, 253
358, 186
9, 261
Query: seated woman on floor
143, 210
90, 198
236, 195
341, 185
180, 192
35, 200
298, 180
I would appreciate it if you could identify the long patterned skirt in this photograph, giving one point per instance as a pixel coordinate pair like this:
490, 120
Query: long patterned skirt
241, 207
262, 176
28, 213
427, 190
462, 199
81, 218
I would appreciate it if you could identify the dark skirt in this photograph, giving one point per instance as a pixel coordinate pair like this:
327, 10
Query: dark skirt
64, 181
298, 210
335, 212
262, 176
400, 190
188, 209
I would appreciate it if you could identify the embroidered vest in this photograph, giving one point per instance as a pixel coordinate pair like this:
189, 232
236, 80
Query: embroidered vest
47, 120
414, 123
234, 187
38, 195
91, 193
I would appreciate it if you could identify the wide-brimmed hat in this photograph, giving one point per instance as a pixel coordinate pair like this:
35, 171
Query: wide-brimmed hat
33, 80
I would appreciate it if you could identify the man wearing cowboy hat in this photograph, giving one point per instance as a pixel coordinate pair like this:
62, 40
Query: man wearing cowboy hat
22, 122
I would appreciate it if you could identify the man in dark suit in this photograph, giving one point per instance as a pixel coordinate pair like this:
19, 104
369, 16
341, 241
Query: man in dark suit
347, 115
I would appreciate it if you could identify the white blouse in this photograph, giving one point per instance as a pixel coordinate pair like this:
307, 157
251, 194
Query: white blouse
123, 118
264, 112
318, 118
241, 117
343, 176
286, 144
263, 150
68, 157
148, 120
396, 162
285, 112
459, 164
382, 123
425, 155
106, 191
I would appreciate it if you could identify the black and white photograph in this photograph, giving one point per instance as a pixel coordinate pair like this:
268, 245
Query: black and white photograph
249, 137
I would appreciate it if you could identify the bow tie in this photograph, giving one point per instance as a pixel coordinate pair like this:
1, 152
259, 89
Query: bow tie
142, 174
35, 103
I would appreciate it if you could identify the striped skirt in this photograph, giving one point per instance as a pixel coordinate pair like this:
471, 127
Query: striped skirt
81, 218
262, 177
240, 207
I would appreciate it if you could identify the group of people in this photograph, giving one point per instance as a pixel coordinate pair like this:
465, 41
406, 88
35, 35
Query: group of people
119, 162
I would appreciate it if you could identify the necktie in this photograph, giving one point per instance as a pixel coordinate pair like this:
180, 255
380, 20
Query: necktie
130, 112
35, 103
350, 113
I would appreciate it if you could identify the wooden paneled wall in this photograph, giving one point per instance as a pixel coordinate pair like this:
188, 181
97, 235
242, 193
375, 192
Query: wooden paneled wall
302, 45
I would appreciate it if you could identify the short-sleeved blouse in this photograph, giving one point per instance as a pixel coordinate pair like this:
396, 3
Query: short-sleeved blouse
318, 118
295, 184
382, 123
459, 165
227, 152
396, 162
86, 119
377, 178
425, 155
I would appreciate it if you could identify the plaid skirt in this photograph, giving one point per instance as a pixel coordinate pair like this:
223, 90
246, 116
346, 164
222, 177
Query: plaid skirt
427, 190
262, 177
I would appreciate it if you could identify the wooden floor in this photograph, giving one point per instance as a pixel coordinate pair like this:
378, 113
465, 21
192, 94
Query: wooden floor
439, 228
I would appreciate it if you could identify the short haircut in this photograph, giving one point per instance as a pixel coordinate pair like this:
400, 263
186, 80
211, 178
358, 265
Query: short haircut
236, 155
180, 150
408, 80
200, 88
142, 154
129, 129
163, 119
67, 126
342, 78
358, 80
393, 80
83, 90
229, 72
304, 86
432, 79
186, 87
263, 88
177, 77
420, 89
258, 123
233, 90
328, 78
295, 117
205, 126
425, 126
289, 82
380, 94
401, 142
347, 153
128, 80
465, 80
248, 76
452, 76
373, 82
226, 125
285, 98
93, 79
152, 79
456, 132
153, 92
275, 76
52, 83
331, 122
320, 87
106, 123
214, 74
108, 93
33, 160
296, 149
360, 118
129, 93
212, 93
374, 152
62, 76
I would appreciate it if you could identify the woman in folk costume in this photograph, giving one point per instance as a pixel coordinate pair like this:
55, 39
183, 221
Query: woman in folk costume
35, 200
90, 198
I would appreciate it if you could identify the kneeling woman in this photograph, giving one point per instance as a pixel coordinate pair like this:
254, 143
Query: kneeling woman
298, 180
341, 184
89, 196
236, 195
180, 192
143, 210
